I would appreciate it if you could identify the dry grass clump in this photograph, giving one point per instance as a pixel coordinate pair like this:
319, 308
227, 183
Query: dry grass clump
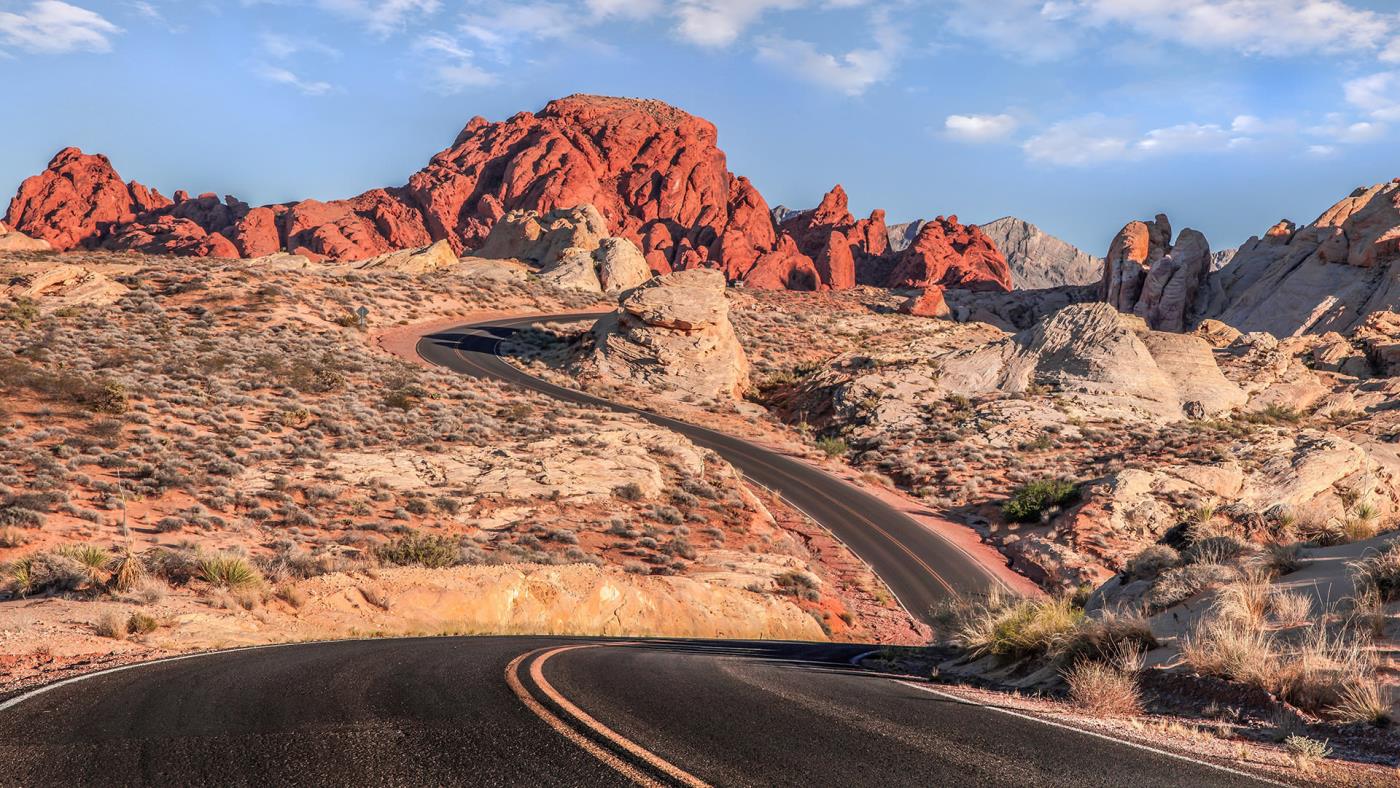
1018, 627
1381, 573
1107, 687
1319, 671
111, 625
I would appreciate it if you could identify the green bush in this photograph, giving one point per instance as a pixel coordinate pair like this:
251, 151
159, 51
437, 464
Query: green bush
1029, 502
832, 447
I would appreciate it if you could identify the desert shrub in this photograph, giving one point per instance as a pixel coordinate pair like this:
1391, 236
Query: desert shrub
1230, 650
419, 549
1306, 752
43, 573
832, 446
1152, 561
1104, 688
1029, 502
1362, 701
111, 625
141, 624
1107, 637
1179, 584
1381, 572
1018, 627
227, 571
798, 584
128, 573
1282, 558
175, 566
630, 491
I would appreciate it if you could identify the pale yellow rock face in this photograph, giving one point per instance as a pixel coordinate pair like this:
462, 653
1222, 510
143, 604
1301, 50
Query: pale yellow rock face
1110, 363
558, 466
542, 238
413, 261
62, 285
15, 241
673, 335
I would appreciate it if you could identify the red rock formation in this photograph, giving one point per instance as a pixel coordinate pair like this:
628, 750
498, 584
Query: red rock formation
784, 268
928, 302
78, 199
952, 255
654, 172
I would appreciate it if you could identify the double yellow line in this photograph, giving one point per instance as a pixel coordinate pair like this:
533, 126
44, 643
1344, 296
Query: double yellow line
537, 659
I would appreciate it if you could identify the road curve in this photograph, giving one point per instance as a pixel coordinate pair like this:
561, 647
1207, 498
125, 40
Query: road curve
921, 567
545, 711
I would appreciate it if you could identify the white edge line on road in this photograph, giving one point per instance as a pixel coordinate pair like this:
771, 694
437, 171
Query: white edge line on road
1095, 734
18, 699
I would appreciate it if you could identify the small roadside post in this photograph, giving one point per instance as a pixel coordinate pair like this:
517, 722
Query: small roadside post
362, 313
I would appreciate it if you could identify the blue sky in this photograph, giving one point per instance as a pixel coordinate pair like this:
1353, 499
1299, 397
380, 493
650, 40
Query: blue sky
1075, 114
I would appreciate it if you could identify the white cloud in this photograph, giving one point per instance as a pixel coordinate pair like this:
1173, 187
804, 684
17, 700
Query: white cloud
1093, 139
452, 68
1032, 30
1097, 139
718, 23
1321, 151
281, 47
630, 9
851, 72
504, 25
53, 27
1051, 29
382, 17
1253, 27
1378, 95
980, 128
1187, 138
283, 76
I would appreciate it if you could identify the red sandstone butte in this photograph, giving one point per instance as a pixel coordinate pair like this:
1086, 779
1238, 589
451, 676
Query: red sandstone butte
655, 173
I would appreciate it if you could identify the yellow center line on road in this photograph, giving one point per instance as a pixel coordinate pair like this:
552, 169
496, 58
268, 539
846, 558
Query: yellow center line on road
537, 659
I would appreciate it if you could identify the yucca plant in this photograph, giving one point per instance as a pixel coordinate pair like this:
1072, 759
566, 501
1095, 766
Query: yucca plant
227, 571
94, 559
129, 572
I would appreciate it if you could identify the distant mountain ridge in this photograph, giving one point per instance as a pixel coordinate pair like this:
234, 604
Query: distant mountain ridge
1038, 259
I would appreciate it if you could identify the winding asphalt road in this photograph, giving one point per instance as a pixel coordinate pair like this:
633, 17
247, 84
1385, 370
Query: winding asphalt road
545, 711
559, 711
921, 567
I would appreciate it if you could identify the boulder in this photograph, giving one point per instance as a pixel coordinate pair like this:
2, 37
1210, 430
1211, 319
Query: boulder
1110, 362
673, 335
14, 241
620, 265
413, 261
543, 238
573, 270
928, 302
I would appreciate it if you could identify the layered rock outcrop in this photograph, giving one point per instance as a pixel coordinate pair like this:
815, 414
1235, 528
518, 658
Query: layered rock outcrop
1327, 276
15, 241
673, 334
1145, 274
1097, 356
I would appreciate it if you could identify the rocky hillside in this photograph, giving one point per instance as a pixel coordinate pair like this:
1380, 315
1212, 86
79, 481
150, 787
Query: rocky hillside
653, 172
1038, 259
1327, 276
